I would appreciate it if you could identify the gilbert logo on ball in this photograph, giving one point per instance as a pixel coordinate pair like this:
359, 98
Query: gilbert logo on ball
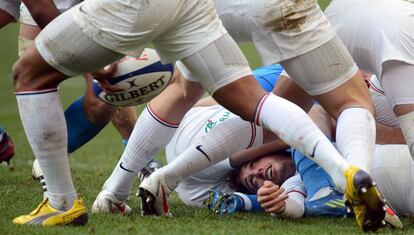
141, 78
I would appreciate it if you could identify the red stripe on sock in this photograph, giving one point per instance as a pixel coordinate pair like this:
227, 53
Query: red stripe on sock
259, 109
163, 121
252, 135
35, 92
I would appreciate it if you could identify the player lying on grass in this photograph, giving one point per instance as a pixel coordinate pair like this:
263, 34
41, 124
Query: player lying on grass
199, 121
194, 189
314, 57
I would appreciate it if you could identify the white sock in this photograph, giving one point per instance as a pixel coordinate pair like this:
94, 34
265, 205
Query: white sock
296, 128
407, 127
224, 140
44, 123
355, 136
149, 136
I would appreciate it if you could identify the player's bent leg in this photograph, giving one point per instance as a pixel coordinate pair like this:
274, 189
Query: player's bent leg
330, 75
154, 129
397, 82
37, 73
124, 120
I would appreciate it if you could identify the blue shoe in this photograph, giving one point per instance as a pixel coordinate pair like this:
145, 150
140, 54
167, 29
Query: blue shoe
331, 205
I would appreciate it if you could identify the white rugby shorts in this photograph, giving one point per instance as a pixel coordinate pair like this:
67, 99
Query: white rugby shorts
276, 32
177, 28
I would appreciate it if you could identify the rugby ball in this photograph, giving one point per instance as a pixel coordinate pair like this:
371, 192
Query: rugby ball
140, 78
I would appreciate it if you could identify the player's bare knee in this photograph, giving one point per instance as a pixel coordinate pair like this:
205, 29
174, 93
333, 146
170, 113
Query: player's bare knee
22, 75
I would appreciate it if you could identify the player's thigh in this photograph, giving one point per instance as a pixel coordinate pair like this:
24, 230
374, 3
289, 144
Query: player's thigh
398, 83
330, 75
65, 47
288, 89
219, 67
31, 72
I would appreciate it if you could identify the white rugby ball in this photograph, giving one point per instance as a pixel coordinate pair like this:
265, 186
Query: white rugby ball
141, 78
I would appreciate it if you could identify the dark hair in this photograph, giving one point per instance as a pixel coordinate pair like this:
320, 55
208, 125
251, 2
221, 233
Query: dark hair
233, 177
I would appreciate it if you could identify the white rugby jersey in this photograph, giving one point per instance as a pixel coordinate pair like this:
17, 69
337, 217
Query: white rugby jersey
197, 123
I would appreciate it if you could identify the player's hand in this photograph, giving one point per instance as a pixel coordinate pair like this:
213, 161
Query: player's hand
272, 198
223, 203
104, 75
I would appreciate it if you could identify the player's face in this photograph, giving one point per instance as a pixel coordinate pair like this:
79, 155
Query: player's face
276, 168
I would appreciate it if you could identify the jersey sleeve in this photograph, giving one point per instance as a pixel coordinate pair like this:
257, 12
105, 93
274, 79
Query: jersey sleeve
12, 7
295, 204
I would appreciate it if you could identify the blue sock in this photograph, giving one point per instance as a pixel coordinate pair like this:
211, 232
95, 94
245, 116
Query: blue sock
241, 206
80, 129
255, 204
313, 176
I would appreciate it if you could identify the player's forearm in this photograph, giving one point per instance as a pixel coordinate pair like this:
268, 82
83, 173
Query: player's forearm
241, 157
295, 206
42, 11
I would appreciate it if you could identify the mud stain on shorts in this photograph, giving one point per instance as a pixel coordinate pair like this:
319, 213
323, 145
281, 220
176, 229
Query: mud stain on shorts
290, 16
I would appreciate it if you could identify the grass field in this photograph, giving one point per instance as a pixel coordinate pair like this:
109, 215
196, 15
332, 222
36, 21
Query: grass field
92, 164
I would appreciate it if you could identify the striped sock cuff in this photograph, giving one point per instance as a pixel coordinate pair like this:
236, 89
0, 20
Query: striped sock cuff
259, 109
161, 120
20, 93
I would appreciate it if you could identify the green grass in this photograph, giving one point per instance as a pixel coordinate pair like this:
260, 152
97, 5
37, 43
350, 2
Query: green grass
92, 164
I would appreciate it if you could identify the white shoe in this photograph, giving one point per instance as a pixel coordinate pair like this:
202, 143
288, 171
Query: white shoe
154, 193
106, 202
37, 174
